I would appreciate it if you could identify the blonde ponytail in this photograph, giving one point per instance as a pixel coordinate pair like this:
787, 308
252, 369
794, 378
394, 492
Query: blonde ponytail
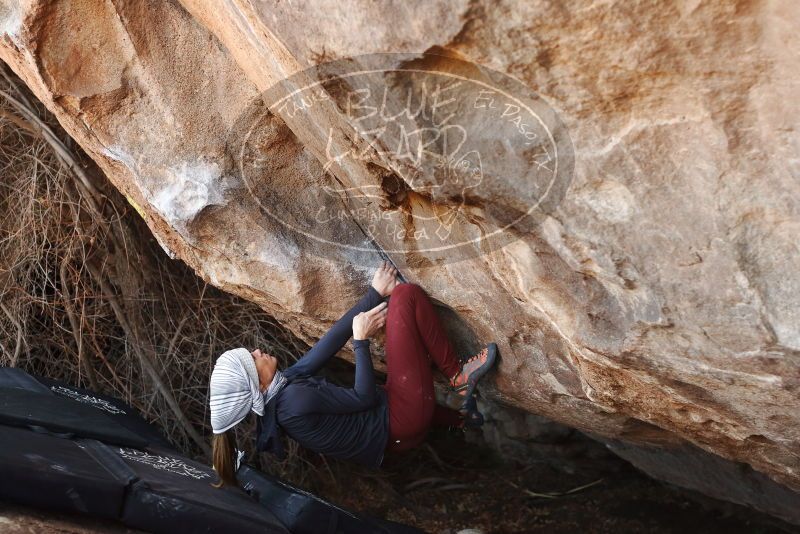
223, 455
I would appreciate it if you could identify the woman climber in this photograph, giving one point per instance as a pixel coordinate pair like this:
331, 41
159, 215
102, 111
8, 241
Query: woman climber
359, 423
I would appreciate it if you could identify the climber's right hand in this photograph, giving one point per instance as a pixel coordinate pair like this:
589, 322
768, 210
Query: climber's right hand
367, 324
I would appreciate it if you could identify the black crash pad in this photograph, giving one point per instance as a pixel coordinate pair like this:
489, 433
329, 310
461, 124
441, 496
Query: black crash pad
121, 422
58, 474
156, 492
11, 377
118, 411
173, 494
22, 407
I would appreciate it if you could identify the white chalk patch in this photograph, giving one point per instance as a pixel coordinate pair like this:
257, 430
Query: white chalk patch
191, 187
11, 20
184, 189
180, 192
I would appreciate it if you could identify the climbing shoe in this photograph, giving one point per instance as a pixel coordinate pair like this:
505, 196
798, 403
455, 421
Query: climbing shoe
472, 370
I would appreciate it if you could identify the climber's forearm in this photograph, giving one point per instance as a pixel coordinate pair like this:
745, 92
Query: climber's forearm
365, 373
336, 337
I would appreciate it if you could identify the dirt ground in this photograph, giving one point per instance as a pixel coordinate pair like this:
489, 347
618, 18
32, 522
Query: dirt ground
449, 485
18, 519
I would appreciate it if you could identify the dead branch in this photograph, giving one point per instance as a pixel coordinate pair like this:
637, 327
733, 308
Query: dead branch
20, 338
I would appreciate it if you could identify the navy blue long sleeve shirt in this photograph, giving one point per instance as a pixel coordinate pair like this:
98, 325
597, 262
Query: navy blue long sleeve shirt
346, 423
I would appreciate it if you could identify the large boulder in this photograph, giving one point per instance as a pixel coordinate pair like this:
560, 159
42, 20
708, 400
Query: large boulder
653, 304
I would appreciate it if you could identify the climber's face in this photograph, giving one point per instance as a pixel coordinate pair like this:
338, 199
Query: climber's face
266, 364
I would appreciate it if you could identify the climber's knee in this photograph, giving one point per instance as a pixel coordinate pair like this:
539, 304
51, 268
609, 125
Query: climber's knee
406, 289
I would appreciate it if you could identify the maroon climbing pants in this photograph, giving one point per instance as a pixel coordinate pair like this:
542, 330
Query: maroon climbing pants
415, 339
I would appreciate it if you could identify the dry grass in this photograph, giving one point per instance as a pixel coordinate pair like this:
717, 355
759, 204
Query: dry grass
87, 295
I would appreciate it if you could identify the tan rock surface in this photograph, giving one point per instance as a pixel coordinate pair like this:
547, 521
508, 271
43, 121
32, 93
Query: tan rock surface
657, 304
